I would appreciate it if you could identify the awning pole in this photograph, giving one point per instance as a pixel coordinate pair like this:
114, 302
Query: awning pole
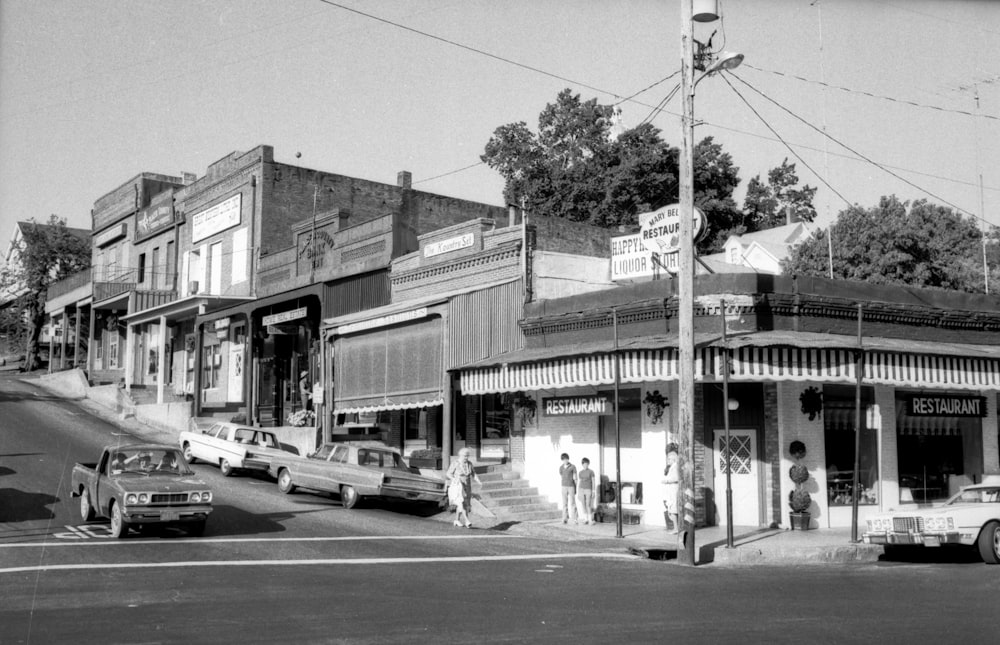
859, 373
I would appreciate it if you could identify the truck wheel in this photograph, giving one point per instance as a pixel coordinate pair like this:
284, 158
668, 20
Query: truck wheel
989, 543
225, 468
86, 509
348, 496
285, 484
119, 527
188, 455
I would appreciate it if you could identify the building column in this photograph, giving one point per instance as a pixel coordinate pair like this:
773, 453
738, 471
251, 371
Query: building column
161, 362
199, 345
51, 349
447, 431
129, 355
90, 341
64, 328
76, 338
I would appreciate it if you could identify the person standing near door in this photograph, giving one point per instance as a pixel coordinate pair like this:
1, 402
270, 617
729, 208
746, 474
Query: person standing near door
567, 478
588, 489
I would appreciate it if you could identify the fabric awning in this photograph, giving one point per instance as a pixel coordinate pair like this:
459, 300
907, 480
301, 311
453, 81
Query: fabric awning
755, 357
392, 368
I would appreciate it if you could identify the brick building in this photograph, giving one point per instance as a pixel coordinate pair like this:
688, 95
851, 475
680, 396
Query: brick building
929, 393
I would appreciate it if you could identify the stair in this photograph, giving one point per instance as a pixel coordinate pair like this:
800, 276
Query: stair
512, 498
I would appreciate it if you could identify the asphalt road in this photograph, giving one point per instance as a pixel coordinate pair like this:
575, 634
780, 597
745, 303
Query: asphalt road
301, 569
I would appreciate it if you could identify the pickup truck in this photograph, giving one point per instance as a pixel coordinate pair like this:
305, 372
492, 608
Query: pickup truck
140, 485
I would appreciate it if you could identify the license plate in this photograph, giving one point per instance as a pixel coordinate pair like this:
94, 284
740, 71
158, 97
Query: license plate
170, 516
932, 541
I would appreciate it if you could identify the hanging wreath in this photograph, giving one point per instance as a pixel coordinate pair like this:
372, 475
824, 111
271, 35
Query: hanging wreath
812, 402
656, 403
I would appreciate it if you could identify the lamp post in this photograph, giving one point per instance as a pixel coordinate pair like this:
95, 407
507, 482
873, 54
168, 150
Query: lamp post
685, 276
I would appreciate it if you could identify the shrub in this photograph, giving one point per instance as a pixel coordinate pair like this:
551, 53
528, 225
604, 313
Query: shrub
799, 500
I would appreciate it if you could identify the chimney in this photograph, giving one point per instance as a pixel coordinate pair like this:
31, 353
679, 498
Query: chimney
512, 212
188, 178
404, 179
790, 216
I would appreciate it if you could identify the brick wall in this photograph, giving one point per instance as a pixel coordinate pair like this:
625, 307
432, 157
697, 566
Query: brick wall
771, 463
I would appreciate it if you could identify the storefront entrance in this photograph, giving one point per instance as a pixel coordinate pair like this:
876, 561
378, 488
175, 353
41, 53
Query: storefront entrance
745, 476
284, 358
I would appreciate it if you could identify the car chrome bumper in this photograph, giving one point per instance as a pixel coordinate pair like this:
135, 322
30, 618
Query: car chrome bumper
918, 539
155, 515
417, 496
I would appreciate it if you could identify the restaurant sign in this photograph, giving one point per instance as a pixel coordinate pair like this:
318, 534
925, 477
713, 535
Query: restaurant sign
945, 405
565, 406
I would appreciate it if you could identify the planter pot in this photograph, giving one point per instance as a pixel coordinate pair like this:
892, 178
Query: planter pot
800, 521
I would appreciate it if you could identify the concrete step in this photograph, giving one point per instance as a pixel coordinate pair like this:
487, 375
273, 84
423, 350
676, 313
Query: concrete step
510, 502
530, 516
499, 476
518, 484
513, 491
517, 509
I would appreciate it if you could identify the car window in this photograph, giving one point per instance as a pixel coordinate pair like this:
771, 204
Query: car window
323, 452
219, 432
339, 454
369, 458
266, 439
244, 435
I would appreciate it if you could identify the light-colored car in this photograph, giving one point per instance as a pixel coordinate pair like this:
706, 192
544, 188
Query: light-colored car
231, 446
356, 469
971, 518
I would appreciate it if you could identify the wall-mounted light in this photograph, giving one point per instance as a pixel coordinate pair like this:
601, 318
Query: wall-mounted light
733, 405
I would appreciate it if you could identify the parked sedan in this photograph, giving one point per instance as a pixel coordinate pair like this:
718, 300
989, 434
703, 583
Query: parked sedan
357, 469
232, 446
971, 517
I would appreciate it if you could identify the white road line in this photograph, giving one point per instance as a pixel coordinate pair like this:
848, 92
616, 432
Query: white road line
315, 562
351, 538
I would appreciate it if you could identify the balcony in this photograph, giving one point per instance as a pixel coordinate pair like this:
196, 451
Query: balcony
69, 284
111, 285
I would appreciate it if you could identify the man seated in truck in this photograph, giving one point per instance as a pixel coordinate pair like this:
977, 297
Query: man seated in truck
168, 462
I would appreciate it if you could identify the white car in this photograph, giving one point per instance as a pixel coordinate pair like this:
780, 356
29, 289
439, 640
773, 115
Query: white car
971, 517
232, 447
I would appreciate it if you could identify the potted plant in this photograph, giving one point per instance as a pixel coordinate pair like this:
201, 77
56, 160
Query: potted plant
798, 499
428, 458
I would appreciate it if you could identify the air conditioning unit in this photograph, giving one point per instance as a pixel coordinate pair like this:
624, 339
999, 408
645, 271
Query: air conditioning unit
193, 287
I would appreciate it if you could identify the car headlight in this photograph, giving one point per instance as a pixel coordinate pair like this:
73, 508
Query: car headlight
143, 498
196, 497
206, 497
131, 498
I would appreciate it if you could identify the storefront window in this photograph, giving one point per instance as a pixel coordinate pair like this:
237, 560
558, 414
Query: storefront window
937, 454
415, 425
839, 413
495, 419
211, 362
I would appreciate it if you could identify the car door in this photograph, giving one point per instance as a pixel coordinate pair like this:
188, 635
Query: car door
309, 472
329, 473
200, 443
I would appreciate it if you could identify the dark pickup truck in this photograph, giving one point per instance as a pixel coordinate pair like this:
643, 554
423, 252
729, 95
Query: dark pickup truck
140, 485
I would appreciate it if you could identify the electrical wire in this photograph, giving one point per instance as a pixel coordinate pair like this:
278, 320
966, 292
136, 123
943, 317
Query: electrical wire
855, 152
647, 88
873, 95
478, 163
785, 143
661, 105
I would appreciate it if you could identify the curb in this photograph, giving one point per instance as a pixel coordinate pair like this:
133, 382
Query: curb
746, 555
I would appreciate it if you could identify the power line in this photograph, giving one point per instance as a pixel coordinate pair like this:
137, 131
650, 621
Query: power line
467, 47
453, 172
852, 150
873, 95
647, 88
790, 149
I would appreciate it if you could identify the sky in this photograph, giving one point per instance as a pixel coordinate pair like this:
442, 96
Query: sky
93, 92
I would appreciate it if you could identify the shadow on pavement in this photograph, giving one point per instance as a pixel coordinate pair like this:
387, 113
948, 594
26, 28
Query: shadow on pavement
19, 506
921, 554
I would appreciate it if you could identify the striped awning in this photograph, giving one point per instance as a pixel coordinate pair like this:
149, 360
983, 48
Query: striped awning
748, 364
400, 402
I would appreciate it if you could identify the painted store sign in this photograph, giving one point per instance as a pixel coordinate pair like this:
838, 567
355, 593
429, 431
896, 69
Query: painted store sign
564, 406
945, 405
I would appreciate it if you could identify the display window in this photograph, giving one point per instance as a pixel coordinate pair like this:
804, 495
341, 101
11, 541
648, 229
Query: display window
839, 419
937, 454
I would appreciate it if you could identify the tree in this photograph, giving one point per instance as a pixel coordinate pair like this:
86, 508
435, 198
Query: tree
576, 169
45, 254
767, 205
919, 244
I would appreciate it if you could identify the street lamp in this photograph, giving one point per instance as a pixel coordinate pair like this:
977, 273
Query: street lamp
685, 276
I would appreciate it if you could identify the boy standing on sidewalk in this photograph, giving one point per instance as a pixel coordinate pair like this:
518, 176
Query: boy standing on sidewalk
588, 490
567, 476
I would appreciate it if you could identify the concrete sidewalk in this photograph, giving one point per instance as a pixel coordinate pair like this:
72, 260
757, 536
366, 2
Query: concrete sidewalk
751, 545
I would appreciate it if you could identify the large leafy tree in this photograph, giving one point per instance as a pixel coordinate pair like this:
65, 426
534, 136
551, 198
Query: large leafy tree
575, 168
45, 254
919, 244
768, 204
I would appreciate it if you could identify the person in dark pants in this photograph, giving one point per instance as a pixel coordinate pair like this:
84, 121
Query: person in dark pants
567, 477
